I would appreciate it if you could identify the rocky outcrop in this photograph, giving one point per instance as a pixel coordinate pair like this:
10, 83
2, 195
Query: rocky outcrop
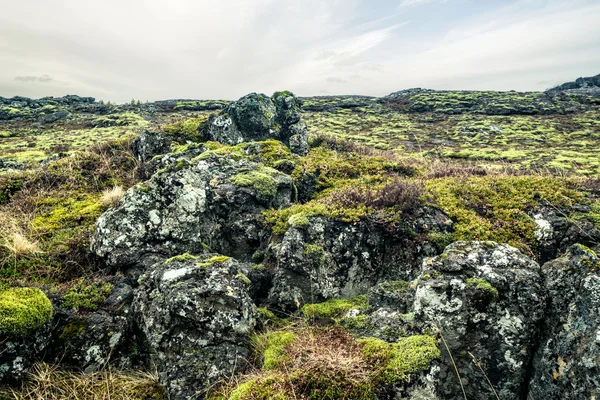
592, 82
257, 117
25, 324
319, 258
556, 232
95, 340
196, 315
486, 300
210, 202
147, 145
567, 363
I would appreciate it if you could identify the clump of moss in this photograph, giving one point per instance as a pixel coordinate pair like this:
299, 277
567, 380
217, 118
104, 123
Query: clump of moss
187, 130
275, 344
182, 258
299, 221
482, 284
260, 179
395, 361
268, 318
73, 329
335, 308
87, 295
212, 260
23, 310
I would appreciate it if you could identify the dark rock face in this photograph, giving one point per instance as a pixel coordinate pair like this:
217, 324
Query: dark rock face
93, 341
556, 233
197, 316
567, 363
18, 353
6, 164
211, 203
581, 83
320, 259
487, 301
147, 145
257, 117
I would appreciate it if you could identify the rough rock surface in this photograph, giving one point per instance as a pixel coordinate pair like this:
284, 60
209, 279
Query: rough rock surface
567, 363
147, 145
18, 353
91, 342
487, 301
323, 259
211, 202
555, 232
197, 316
257, 117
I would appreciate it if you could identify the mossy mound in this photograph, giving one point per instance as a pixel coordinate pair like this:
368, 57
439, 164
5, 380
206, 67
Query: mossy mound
23, 310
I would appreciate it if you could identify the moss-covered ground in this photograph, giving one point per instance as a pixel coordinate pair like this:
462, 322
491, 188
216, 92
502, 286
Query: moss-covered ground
487, 160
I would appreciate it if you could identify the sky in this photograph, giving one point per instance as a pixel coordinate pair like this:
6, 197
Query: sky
119, 50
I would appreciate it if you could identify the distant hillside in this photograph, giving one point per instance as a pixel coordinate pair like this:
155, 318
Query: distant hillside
592, 82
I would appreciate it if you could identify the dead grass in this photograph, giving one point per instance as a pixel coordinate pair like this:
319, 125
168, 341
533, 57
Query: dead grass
45, 382
111, 196
19, 245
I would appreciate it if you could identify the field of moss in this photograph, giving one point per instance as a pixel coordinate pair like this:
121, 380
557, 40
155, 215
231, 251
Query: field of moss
487, 168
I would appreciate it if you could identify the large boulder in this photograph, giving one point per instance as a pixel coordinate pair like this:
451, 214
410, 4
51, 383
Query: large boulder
319, 258
147, 145
197, 317
567, 363
210, 202
257, 117
487, 302
25, 324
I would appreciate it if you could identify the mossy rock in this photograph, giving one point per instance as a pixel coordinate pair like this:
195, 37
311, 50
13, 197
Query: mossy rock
23, 310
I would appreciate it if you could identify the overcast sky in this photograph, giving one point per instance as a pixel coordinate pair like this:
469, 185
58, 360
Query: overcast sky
157, 49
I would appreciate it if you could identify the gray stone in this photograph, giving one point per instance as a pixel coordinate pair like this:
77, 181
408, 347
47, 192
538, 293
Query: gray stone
257, 117
567, 363
210, 202
197, 317
319, 259
486, 301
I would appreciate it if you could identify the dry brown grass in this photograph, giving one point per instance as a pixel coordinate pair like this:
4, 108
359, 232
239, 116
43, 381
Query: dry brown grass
45, 382
111, 196
19, 245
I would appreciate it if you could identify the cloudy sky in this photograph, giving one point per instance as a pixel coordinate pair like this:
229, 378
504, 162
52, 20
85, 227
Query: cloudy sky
156, 49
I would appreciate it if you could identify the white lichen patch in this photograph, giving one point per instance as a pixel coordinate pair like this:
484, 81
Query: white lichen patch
544, 229
175, 274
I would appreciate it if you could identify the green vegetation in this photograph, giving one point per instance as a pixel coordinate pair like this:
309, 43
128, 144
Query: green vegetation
23, 310
334, 308
395, 361
212, 260
86, 295
260, 179
483, 285
327, 363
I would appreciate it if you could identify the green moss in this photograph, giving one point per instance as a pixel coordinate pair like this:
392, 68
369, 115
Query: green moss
496, 207
187, 130
299, 221
73, 329
269, 318
182, 258
215, 259
243, 278
334, 308
261, 179
482, 284
258, 389
359, 323
396, 361
23, 310
87, 295
276, 343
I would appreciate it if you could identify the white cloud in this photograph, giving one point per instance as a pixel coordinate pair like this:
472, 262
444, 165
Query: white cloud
152, 49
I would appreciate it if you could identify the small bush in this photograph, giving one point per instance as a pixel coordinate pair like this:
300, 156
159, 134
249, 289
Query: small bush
402, 195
